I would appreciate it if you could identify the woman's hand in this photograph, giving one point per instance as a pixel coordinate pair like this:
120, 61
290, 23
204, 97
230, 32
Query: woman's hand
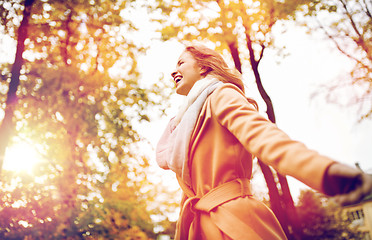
348, 185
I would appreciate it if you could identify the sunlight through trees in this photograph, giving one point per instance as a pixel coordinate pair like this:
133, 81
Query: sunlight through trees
71, 100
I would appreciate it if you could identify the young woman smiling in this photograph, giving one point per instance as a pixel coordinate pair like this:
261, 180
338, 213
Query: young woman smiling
210, 145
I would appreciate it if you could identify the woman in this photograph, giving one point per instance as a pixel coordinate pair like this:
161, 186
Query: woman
210, 145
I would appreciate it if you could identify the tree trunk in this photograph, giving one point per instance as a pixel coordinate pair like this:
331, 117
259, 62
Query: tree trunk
268, 174
281, 201
235, 55
7, 125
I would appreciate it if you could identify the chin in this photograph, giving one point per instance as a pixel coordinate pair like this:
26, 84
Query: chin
180, 91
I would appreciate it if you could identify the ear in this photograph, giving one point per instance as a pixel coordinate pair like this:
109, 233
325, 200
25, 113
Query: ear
204, 71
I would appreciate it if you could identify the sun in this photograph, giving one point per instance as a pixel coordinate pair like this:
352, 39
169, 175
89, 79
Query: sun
21, 156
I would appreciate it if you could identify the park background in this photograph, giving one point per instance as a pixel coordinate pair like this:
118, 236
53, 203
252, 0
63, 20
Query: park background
95, 93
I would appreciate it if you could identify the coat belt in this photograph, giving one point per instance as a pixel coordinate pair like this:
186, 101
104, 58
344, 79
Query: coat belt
217, 196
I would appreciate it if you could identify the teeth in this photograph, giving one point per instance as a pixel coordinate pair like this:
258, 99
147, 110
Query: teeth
177, 79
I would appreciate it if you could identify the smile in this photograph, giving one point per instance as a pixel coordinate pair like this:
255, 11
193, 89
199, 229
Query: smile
177, 78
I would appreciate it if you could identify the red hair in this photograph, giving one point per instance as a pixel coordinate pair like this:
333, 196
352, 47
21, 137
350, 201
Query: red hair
212, 63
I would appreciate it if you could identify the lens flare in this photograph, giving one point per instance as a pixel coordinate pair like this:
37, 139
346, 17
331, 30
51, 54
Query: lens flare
21, 156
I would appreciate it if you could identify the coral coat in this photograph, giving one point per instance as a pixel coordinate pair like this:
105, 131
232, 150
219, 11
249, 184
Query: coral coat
217, 203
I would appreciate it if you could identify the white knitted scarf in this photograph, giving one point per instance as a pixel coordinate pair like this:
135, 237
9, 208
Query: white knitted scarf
173, 147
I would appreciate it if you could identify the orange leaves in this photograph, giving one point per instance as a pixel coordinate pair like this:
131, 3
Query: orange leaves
83, 118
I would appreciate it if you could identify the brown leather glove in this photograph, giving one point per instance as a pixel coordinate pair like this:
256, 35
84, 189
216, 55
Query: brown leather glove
346, 184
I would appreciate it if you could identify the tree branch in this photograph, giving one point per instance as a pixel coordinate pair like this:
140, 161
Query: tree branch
360, 41
367, 10
261, 53
339, 47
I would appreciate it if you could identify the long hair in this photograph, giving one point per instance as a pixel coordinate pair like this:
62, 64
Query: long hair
212, 63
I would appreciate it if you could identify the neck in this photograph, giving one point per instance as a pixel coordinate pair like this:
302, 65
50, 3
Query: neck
194, 92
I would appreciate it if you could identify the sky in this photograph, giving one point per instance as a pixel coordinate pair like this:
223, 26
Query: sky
328, 128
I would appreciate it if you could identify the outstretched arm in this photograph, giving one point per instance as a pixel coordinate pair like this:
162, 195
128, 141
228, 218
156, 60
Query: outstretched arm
263, 139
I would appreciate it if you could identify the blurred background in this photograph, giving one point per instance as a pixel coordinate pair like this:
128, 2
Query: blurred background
86, 91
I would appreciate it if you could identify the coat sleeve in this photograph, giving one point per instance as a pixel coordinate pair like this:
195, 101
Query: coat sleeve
265, 140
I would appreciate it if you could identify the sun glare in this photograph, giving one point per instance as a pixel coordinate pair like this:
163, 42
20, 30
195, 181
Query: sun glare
21, 157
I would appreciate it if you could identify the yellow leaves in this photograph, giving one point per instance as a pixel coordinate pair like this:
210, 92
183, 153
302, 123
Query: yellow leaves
78, 112
116, 220
133, 233
118, 226
169, 32
60, 229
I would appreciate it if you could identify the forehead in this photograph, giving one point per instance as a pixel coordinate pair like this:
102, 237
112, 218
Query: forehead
186, 55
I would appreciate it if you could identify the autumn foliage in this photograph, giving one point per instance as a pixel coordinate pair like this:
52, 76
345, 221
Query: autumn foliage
79, 114
72, 91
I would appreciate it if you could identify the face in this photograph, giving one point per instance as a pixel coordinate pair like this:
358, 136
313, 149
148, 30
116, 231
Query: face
186, 74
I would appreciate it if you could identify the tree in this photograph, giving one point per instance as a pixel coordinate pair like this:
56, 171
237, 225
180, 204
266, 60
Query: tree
322, 219
347, 24
81, 114
7, 125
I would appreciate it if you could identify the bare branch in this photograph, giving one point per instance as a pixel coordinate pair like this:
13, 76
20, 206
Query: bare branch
360, 41
367, 10
261, 53
339, 47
